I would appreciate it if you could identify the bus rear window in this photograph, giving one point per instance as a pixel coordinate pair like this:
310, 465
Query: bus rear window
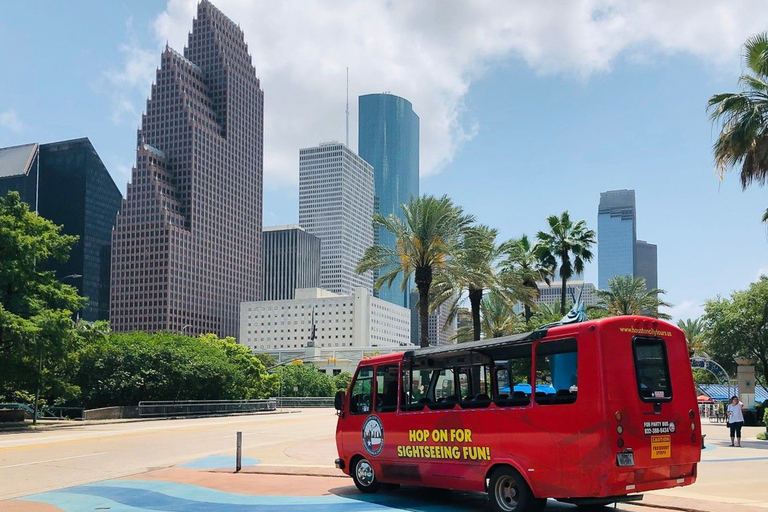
652, 369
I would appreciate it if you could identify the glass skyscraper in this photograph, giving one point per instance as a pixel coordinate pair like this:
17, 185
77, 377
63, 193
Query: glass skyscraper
619, 252
76, 192
291, 260
388, 139
186, 249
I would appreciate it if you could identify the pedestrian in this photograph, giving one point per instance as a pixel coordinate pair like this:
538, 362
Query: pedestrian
735, 419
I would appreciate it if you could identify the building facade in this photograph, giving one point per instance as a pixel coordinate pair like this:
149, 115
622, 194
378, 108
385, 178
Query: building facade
551, 294
187, 244
322, 319
388, 139
291, 260
75, 191
619, 252
438, 332
646, 263
336, 205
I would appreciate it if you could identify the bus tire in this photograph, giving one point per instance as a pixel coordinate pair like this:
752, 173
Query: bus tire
364, 476
508, 492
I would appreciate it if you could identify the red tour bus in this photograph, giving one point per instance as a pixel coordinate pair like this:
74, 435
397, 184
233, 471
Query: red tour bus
588, 413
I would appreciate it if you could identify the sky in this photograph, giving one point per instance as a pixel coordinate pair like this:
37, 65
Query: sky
527, 109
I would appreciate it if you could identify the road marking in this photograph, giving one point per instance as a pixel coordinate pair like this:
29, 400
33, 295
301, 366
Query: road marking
52, 460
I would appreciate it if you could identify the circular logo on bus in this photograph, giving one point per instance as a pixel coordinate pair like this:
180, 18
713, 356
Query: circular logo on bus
373, 435
672, 427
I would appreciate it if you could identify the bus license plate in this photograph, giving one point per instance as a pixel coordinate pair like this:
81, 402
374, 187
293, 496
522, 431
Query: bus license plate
625, 459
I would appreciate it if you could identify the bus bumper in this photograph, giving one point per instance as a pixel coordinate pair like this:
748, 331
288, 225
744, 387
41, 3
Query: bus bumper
339, 463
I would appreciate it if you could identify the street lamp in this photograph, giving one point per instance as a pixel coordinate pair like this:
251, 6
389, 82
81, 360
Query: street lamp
185, 327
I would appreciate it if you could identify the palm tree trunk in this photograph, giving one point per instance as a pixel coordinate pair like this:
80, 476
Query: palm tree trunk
528, 313
423, 279
475, 296
562, 296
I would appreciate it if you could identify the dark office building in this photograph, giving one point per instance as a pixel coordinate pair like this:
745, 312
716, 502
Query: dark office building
76, 192
291, 260
186, 249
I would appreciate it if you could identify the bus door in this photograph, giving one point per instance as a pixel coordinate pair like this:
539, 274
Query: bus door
562, 417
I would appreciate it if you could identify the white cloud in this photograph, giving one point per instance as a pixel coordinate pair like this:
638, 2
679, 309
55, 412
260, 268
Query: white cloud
430, 52
10, 120
685, 310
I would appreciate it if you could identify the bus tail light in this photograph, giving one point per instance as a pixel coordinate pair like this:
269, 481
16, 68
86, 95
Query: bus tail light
620, 443
625, 458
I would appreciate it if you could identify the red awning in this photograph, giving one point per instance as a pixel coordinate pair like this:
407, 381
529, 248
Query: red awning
704, 398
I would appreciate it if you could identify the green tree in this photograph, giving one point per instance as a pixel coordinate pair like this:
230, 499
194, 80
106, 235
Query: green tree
629, 296
521, 260
743, 120
298, 379
738, 327
425, 241
565, 240
694, 334
341, 381
36, 328
472, 268
124, 369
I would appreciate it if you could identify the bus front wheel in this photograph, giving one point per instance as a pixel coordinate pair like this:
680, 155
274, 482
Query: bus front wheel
509, 493
364, 476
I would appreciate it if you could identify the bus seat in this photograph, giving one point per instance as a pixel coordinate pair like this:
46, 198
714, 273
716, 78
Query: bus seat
481, 400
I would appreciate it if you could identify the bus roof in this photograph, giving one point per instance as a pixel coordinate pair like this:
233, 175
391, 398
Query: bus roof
486, 346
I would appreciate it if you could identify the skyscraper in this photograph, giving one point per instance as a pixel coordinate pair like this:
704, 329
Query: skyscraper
76, 192
336, 205
619, 252
187, 244
291, 260
388, 130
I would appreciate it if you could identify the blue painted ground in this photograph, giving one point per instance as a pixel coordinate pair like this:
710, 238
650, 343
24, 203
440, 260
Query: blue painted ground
142, 495
219, 462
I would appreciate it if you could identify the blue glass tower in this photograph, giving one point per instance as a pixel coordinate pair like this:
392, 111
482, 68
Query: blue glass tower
616, 236
388, 139
619, 252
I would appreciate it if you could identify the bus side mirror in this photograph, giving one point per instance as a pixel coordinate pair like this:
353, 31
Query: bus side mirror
338, 401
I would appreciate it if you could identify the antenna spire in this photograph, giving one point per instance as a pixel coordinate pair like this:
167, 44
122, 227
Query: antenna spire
347, 111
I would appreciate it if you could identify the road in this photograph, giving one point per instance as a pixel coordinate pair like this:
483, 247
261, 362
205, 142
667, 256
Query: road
43, 460
192, 458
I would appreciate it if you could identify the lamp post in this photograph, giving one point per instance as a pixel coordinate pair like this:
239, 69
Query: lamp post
185, 328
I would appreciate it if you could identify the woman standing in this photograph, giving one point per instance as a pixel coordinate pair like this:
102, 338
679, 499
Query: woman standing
735, 419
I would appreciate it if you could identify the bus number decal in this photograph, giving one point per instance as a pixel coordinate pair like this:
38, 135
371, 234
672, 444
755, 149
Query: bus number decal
661, 447
373, 435
459, 445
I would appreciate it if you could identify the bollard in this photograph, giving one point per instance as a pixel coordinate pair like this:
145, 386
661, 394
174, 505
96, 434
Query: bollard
238, 464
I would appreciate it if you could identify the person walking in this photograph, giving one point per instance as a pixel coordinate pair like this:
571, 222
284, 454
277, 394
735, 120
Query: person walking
735, 419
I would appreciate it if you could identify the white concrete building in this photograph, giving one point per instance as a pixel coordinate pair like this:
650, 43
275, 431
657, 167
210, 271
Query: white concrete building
359, 320
336, 205
551, 294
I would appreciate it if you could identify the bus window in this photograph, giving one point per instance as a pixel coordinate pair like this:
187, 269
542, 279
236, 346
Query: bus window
556, 372
465, 389
362, 392
386, 388
652, 369
513, 377
445, 386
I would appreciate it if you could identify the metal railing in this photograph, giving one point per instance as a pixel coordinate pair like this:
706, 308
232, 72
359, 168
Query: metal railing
304, 401
203, 407
54, 411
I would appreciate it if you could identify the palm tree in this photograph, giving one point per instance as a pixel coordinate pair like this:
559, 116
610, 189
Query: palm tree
498, 319
521, 258
473, 268
565, 239
694, 334
425, 241
629, 296
743, 116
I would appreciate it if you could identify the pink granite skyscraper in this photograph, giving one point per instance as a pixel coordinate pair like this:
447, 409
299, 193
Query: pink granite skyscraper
186, 248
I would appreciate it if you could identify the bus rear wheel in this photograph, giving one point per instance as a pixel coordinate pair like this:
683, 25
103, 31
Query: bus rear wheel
364, 476
509, 493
